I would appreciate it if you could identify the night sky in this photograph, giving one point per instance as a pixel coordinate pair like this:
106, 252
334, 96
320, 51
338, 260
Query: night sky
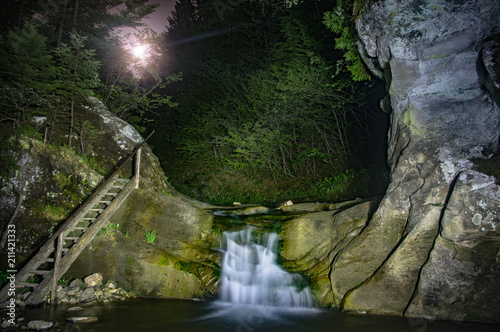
158, 19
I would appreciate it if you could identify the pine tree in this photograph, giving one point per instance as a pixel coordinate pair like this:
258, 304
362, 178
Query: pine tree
26, 74
77, 75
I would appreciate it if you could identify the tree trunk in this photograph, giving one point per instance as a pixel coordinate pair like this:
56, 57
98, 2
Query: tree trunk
71, 120
61, 24
11, 220
75, 16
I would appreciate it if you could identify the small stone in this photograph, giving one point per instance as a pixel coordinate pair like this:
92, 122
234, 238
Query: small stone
40, 325
110, 284
6, 324
75, 309
87, 294
82, 319
94, 280
72, 292
77, 283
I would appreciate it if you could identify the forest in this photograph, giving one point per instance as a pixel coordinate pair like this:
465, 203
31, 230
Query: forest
254, 101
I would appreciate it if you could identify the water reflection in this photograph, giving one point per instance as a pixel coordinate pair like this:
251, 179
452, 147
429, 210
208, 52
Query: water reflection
186, 316
247, 317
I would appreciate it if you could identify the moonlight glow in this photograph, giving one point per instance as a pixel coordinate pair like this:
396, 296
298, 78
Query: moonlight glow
140, 51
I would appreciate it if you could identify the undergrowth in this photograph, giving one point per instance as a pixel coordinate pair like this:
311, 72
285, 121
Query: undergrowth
228, 189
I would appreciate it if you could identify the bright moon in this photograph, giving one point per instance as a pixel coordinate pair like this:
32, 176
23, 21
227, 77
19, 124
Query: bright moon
140, 51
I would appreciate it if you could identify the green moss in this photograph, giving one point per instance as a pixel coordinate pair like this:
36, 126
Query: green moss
164, 261
109, 229
54, 212
131, 260
153, 207
408, 116
61, 179
391, 17
93, 163
437, 56
410, 119
188, 267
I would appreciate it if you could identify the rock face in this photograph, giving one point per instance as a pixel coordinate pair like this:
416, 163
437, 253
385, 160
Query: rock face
432, 248
316, 244
175, 262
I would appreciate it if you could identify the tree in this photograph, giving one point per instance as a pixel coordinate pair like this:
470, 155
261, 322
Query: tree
296, 112
183, 17
341, 22
14, 13
77, 75
26, 75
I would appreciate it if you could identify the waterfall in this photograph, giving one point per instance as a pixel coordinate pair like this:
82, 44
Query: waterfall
251, 274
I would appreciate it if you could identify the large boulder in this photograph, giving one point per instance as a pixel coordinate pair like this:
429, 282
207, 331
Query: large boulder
155, 245
433, 246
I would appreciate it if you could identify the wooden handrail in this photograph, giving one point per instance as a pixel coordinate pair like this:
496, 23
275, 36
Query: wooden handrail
95, 193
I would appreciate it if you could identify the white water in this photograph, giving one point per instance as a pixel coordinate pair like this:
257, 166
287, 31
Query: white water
251, 274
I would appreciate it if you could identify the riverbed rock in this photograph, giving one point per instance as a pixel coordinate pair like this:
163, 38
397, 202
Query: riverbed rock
72, 309
93, 280
6, 324
77, 283
316, 207
432, 247
87, 294
86, 319
250, 210
40, 325
110, 284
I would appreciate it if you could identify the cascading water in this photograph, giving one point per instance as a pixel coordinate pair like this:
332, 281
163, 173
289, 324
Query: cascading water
251, 274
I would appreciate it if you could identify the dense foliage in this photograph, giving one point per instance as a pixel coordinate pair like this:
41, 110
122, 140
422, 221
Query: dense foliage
268, 108
251, 100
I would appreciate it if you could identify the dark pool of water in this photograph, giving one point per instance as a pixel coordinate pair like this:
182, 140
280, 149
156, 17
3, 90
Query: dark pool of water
186, 316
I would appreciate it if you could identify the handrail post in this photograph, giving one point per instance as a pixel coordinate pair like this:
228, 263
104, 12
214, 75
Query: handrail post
57, 258
137, 167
